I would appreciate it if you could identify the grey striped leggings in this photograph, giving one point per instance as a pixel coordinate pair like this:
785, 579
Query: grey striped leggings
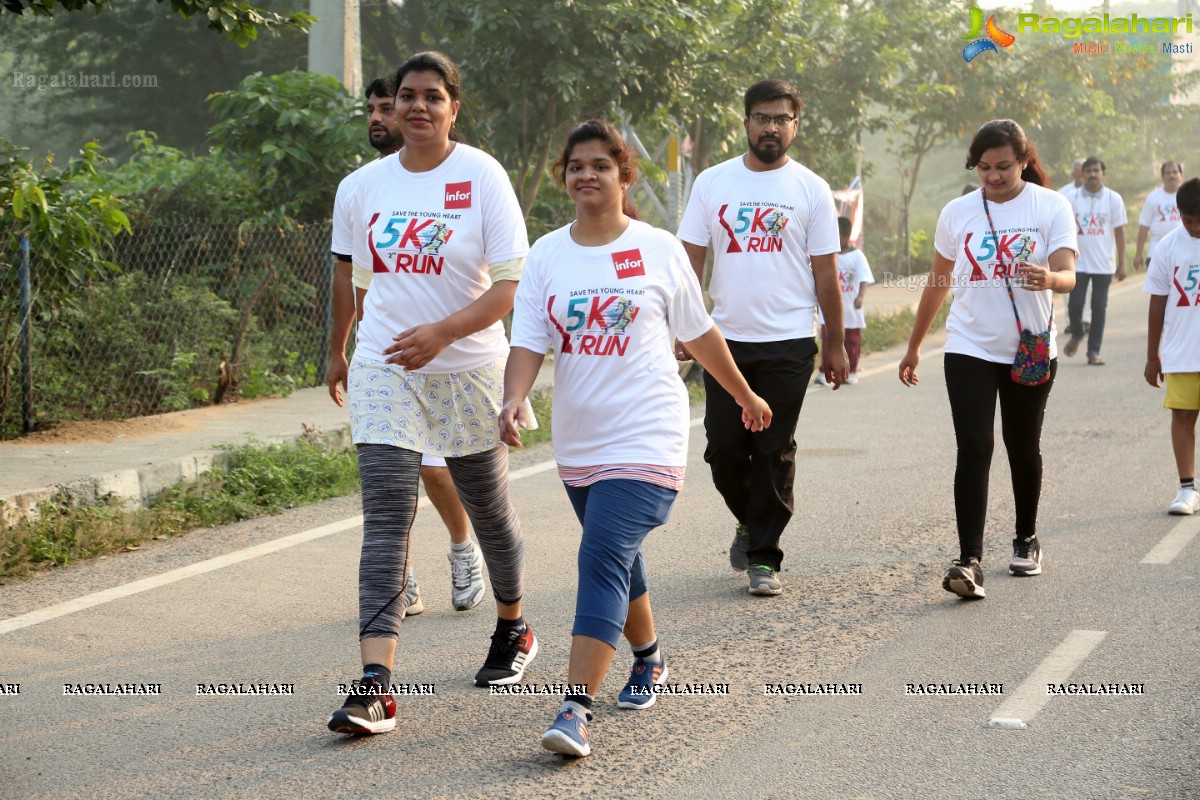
389, 497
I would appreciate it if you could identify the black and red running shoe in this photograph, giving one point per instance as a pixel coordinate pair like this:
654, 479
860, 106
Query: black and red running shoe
369, 708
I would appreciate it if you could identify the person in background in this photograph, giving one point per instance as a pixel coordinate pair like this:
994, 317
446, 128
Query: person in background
1100, 224
1076, 178
1173, 342
1012, 234
1160, 215
608, 292
1069, 189
854, 274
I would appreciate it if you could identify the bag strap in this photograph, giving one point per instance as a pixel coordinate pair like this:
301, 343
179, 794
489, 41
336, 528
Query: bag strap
1004, 269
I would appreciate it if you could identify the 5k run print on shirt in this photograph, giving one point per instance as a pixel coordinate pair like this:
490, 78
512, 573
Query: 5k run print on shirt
418, 243
596, 322
1006, 250
753, 229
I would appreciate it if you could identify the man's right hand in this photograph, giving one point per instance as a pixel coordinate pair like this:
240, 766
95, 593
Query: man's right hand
336, 376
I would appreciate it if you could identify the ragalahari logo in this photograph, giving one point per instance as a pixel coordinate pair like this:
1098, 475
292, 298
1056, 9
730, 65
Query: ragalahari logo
984, 37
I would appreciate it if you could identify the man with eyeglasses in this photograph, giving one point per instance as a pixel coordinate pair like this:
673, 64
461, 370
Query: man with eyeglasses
773, 228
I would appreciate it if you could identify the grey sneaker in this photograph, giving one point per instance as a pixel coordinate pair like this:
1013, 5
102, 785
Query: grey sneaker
737, 550
412, 596
466, 578
965, 579
764, 581
1027, 557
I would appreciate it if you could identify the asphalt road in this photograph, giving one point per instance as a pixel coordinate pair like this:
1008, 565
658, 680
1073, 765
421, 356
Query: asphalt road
863, 606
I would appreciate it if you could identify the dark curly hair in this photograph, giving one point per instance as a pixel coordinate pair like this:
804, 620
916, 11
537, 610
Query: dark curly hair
1001, 132
597, 130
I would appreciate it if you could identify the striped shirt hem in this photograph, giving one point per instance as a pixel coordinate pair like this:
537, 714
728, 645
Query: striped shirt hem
666, 477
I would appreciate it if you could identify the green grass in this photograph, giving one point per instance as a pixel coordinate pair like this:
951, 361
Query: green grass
258, 480
885, 331
540, 399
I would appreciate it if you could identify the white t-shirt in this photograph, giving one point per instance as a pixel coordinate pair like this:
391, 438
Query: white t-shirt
342, 245
1029, 227
1097, 216
610, 314
1175, 272
428, 238
1160, 215
853, 271
1068, 189
764, 227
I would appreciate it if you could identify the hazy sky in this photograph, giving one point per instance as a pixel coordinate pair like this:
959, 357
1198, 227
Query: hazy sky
1088, 5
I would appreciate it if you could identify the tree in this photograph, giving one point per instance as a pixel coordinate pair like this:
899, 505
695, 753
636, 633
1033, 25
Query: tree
237, 20
935, 97
534, 69
70, 221
68, 215
160, 182
174, 63
296, 135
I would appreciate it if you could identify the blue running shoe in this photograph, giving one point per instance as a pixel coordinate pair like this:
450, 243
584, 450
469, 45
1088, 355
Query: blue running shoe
639, 690
569, 733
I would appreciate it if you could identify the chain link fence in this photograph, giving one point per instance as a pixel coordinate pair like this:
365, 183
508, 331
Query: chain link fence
196, 314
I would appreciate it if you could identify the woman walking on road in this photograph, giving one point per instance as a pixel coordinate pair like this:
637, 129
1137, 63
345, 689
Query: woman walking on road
608, 293
1013, 233
440, 228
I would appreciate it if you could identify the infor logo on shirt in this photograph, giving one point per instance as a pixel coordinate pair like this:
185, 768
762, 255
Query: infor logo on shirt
628, 264
458, 195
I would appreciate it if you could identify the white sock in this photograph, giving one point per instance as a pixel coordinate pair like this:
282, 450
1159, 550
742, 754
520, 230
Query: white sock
578, 708
464, 547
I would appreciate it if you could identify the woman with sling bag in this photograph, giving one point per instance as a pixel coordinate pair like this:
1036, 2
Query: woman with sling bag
1012, 234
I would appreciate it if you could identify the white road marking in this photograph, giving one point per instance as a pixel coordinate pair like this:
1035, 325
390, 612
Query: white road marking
894, 367
1031, 695
534, 470
1173, 543
155, 581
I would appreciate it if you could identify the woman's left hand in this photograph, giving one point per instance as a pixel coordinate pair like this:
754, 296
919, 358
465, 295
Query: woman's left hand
416, 347
756, 414
1034, 278
510, 423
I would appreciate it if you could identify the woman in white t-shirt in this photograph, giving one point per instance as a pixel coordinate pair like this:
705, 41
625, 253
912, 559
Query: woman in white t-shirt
1004, 250
608, 293
440, 230
1160, 215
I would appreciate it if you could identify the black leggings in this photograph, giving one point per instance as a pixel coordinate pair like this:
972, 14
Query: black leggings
389, 498
973, 385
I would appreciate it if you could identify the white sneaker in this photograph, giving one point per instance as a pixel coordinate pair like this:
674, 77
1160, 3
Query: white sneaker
820, 381
852, 378
412, 596
466, 578
1186, 503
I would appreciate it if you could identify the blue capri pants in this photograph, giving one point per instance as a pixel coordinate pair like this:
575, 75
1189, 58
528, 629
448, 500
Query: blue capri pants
616, 516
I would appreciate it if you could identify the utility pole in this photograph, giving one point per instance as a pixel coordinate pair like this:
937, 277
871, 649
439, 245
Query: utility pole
334, 42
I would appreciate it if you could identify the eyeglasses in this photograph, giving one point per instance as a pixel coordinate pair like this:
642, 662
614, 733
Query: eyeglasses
762, 119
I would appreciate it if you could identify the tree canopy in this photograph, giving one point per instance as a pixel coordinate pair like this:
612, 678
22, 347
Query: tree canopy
239, 21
